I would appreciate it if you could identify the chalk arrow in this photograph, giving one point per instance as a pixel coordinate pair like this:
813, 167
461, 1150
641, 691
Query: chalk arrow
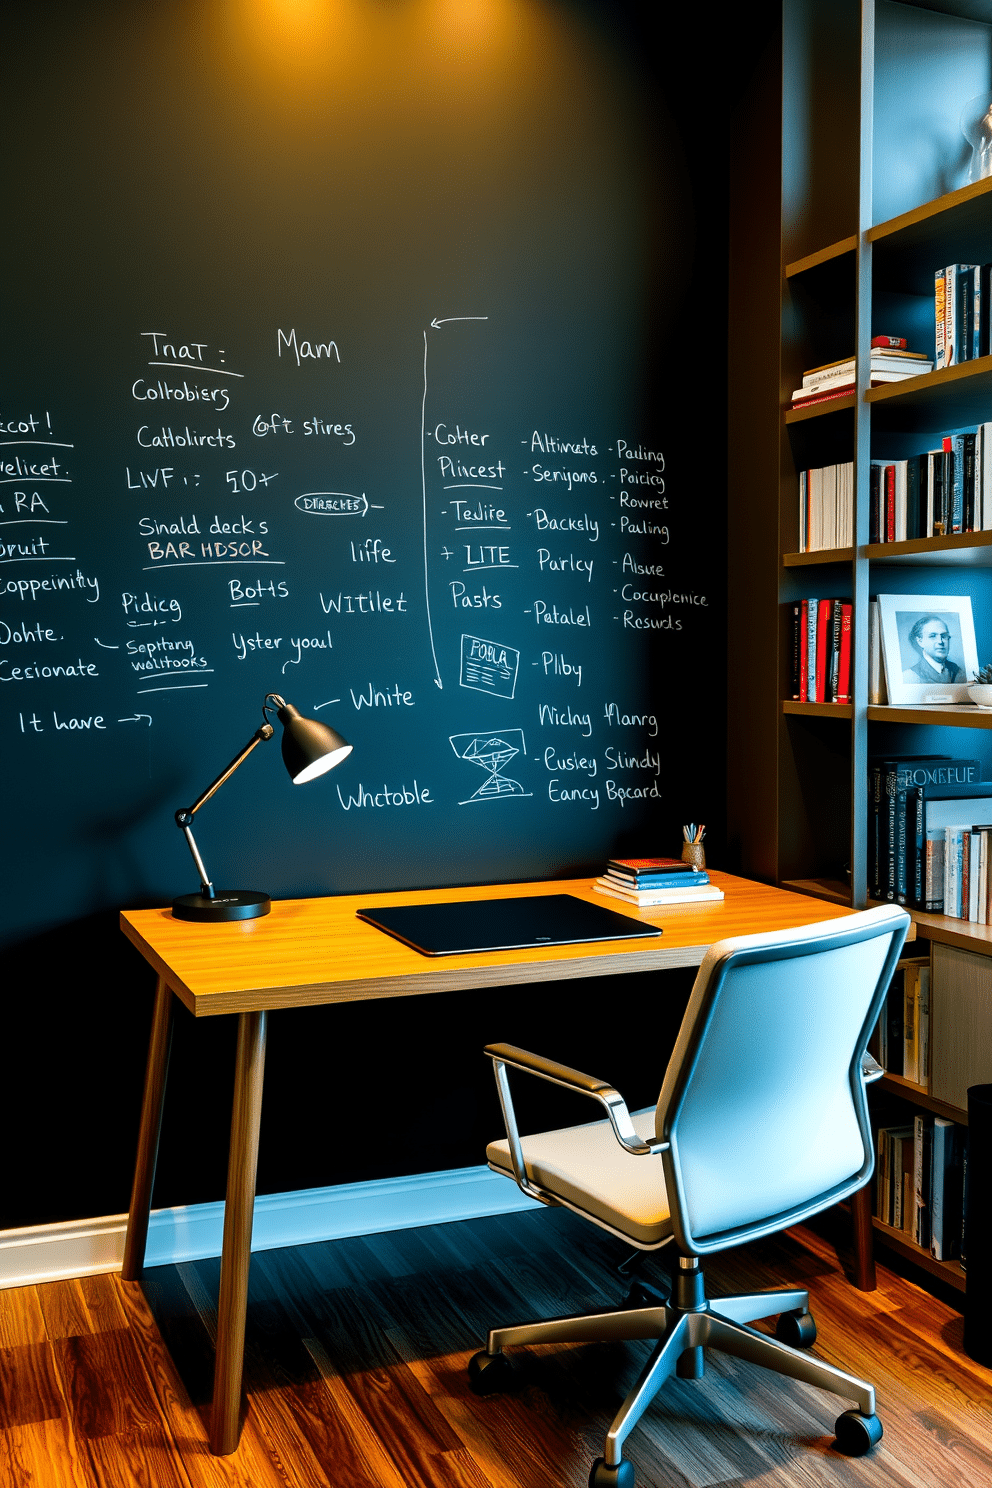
104, 645
423, 492
137, 719
437, 324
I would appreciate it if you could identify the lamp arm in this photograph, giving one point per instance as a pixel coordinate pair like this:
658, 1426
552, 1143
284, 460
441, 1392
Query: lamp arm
260, 736
185, 814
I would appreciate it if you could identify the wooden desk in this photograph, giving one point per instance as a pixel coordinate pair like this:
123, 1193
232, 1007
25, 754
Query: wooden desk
312, 951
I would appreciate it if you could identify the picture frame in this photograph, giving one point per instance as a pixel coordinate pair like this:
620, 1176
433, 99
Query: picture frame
929, 647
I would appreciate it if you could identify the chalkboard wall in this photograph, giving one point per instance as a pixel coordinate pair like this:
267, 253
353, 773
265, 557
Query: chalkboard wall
365, 354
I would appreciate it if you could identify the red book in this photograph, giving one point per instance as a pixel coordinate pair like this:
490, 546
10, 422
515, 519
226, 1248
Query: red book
823, 628
890, 503
891, 343
804, 654
650, 865
841, 392
844, 670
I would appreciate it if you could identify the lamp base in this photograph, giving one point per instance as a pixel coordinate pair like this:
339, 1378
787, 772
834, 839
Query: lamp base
227, 904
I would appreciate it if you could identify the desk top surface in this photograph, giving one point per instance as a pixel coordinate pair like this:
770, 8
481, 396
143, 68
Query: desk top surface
310, 951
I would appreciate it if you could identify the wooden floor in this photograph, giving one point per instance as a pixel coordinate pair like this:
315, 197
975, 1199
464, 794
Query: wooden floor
357, 1351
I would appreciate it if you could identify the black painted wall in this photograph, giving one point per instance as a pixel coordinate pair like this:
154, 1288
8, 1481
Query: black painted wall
192, 184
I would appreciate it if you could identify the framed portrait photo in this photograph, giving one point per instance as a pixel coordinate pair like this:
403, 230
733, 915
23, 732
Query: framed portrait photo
928, 642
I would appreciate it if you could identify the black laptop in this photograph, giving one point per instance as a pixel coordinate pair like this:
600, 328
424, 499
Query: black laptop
471, 925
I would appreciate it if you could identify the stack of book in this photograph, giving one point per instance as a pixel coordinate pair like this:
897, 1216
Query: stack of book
961, 313
647, 882
820, 651
890, 362
934, 493
919, 1181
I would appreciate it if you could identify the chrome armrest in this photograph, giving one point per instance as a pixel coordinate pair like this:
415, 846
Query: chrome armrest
508, 1056
870, 1069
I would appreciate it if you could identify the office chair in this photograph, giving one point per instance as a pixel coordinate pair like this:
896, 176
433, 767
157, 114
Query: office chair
762, 1122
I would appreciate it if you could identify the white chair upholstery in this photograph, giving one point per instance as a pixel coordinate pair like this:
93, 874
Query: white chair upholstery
761, 1123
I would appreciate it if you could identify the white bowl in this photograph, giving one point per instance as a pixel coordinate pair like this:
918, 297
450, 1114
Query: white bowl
981, 694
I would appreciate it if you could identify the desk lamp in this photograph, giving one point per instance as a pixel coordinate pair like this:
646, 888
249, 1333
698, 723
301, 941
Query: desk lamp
309, 749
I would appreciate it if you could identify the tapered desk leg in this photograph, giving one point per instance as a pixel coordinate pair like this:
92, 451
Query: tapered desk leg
242, 1164
156, 1073
864, 1250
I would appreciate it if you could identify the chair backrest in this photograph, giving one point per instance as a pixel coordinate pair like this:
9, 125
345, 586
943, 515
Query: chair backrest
763, 1101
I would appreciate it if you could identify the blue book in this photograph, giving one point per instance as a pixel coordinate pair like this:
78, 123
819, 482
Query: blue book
957, 482
689, 880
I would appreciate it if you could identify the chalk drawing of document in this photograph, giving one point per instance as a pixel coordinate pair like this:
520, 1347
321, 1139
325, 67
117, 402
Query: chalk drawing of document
492, 752
489, 666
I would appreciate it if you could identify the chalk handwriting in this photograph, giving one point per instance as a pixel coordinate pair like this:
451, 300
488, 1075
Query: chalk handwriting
550, 716
585, 523
187, 438
306, 350
555, 665
371, 602
56, 583
402, 795
615, 715
443, 435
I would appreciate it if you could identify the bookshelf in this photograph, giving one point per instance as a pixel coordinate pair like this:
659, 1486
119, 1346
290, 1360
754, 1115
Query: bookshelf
870, 196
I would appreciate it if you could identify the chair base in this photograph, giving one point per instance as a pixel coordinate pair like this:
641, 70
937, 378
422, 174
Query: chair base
685, 1324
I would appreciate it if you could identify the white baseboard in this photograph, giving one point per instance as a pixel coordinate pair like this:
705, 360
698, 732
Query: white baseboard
88, 1247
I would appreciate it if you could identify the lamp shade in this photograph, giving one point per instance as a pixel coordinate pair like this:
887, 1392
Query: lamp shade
309, 748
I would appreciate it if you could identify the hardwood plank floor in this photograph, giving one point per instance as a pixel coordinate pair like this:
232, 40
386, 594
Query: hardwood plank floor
356, 1373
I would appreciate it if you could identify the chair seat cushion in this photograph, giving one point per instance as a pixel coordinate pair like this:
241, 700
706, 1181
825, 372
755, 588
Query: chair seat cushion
587, 1167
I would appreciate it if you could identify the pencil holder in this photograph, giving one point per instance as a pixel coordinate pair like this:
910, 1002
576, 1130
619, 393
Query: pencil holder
694, 853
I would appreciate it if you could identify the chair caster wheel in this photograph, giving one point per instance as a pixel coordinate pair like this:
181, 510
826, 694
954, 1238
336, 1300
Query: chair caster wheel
856, 1434
489, 1373
601, 1476
797, 1329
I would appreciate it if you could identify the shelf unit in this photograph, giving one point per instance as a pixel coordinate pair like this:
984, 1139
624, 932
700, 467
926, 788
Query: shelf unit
870, 203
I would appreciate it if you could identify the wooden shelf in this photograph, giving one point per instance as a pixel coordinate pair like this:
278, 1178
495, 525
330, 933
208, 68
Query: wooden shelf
958, 548
822, 256
818, 710
948, 1271
939, 715
843, 404
821, 555
830, 889
897, 1085
964, 934
903, 256
949, 398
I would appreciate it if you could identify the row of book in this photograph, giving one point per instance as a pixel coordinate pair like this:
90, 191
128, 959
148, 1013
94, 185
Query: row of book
650, 882
919, 1183
936, 492
820, 651
890, 362
961, 313
826, 508
928, 844
965, 870
901, 1042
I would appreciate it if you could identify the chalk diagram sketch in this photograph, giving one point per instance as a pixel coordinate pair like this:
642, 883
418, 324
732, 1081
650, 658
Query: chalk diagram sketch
489, 666
492, 752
